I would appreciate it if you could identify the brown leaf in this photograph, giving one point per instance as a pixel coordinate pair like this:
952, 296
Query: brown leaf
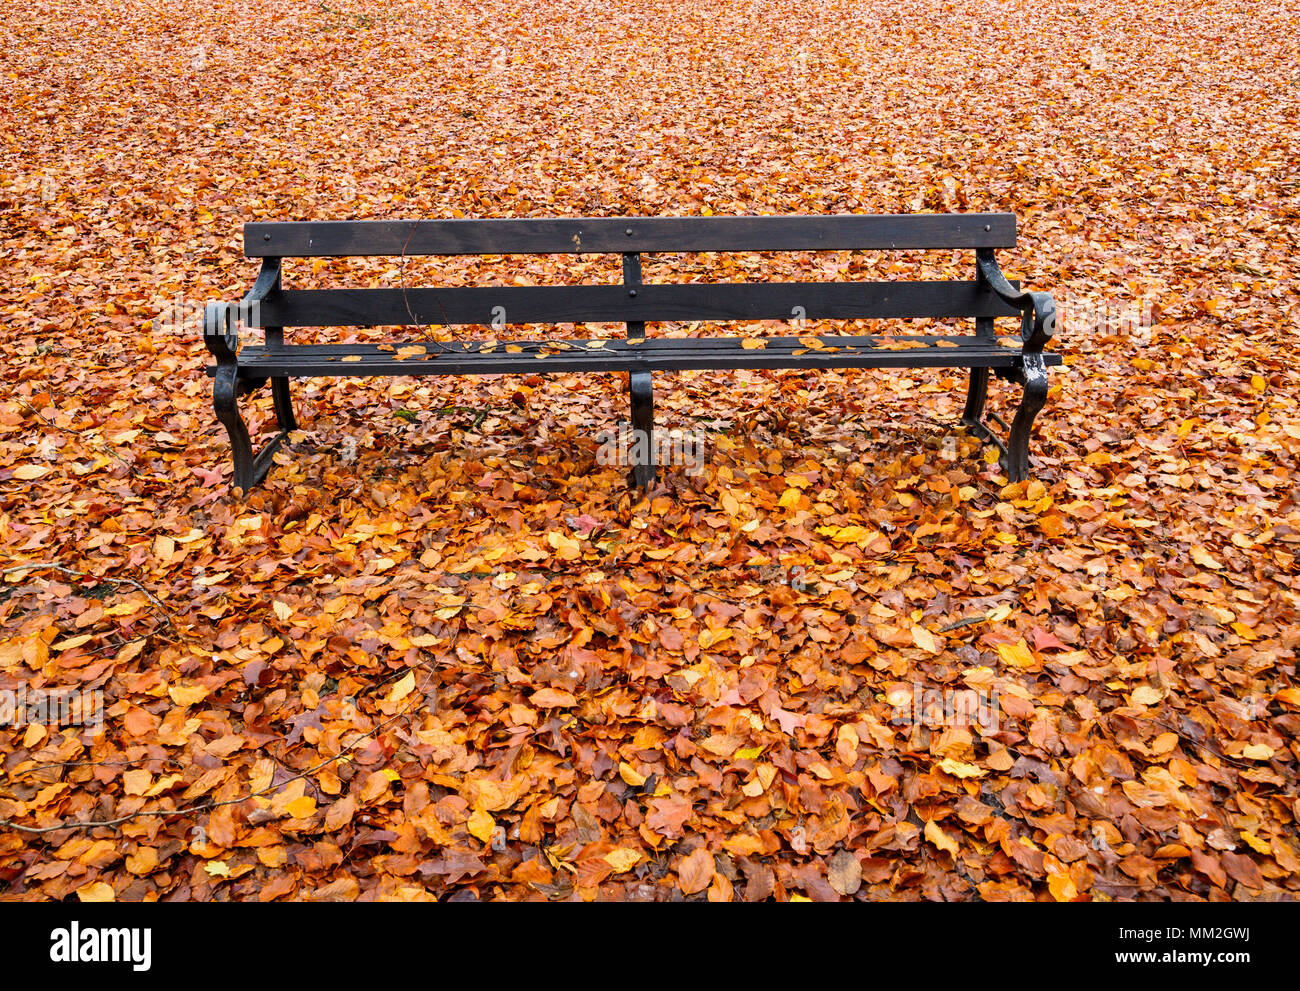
844, 873
695, 872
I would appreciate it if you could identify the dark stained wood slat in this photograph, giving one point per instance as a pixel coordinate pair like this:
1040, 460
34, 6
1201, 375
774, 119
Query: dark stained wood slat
673, 354
640, 345
611, 234
620, 304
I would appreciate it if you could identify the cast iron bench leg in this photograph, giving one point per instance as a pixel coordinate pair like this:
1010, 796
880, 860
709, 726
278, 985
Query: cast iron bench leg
225, 387
642, 475
280, 386
1033, 376
643, 430
1014, 456
1037, 324
220, 335
976, 396
283, 405
249, 469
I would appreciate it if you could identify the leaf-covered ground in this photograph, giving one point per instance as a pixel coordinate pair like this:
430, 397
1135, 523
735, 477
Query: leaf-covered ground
445, 653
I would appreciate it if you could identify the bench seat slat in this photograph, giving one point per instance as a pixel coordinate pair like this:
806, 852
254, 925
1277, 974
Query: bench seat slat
650, 354
616, 304
314, 239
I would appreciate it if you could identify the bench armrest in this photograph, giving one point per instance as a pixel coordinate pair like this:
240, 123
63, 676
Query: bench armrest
221, 320
1038, 309
221, 332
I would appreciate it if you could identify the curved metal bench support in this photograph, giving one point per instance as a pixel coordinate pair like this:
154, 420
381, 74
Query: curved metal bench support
1033, 376
1037, 324
221, 336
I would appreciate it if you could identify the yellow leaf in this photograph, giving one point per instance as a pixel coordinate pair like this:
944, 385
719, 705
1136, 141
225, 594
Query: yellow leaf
859, 535
710, 638
217, 868
403, 688
96, 892
749, 753
1164, 743
29, 472
187, 694
272, 856
753, 343
899, 696
1062, 887
71, 642
1017, 654
847, 740
939, 838
566, 548
924, 639
482, 825
136, 781
1258, 751
1258, 383
495, 796
1256, 844
1146, 695
999, 613
958, 769
630, 775
1202, 557
162, 785
622, 859
301, 807
143, 861
281, 610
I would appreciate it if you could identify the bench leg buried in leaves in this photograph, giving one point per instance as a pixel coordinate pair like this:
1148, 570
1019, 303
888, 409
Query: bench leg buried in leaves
1038, 323
240, 371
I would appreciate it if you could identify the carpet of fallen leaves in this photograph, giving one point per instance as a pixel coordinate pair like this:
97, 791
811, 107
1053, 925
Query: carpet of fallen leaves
443, 652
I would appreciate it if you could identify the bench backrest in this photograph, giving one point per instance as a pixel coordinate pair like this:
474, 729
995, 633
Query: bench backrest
632, 302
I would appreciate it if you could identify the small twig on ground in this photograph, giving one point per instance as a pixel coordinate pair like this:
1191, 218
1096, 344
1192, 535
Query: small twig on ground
83, 576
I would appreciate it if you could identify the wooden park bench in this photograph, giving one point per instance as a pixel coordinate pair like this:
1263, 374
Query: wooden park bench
984, 298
